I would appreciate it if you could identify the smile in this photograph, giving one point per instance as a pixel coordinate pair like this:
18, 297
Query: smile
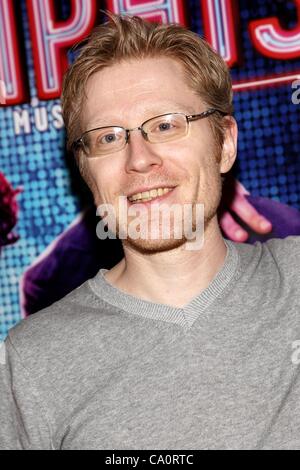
149, 195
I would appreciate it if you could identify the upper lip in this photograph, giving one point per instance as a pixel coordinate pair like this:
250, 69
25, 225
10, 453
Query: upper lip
142, 190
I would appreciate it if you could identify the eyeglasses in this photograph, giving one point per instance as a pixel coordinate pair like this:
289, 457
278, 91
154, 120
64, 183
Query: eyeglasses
102, 141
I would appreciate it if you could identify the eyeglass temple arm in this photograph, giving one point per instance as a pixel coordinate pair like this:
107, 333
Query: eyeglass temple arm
194, 117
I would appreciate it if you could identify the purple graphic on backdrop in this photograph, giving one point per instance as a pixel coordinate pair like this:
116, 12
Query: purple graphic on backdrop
8, 212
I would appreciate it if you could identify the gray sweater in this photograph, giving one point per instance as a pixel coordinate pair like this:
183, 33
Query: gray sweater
102, 369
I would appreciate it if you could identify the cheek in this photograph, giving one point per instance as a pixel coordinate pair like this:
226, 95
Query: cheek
105, 178
203, 168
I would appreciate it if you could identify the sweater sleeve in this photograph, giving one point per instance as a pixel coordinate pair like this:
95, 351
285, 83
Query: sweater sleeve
23, 423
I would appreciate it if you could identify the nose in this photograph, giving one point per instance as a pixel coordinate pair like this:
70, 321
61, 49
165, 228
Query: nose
141, 154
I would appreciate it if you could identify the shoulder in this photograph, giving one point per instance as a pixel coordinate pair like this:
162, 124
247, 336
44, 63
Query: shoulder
272, 266
61, 325
76, 335
276, 251
284, 252
269, 273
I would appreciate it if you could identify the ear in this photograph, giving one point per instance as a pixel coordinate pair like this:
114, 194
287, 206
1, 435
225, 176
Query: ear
229, 150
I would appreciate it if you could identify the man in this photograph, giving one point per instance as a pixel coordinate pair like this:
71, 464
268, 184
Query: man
174, 347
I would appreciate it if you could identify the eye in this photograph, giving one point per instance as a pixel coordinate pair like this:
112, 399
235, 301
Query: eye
165, 126
107, 139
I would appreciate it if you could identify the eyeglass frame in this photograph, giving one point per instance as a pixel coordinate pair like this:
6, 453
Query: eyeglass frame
189, 118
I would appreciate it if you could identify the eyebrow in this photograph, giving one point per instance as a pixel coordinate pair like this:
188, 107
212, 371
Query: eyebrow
164, 108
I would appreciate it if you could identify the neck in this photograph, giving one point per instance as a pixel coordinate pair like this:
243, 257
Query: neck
173, 277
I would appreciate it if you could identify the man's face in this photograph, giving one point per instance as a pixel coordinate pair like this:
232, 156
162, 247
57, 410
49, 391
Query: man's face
127, 94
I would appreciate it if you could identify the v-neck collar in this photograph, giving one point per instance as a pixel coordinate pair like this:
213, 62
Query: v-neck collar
184, 316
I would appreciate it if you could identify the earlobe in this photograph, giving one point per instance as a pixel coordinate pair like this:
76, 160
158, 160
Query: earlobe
229, 151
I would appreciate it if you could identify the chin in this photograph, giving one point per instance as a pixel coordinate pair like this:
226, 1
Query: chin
148, 246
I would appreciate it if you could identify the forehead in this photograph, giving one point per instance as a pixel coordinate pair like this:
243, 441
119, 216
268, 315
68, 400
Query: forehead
135, 90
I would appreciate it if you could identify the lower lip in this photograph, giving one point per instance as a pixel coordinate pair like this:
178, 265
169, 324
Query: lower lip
153, 201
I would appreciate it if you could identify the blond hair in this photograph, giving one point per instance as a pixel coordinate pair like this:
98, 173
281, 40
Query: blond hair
125, 37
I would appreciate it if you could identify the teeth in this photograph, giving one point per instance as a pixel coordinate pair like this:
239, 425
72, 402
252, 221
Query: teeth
148, 195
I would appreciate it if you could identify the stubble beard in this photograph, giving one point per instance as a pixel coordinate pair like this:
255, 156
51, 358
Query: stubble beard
210, 201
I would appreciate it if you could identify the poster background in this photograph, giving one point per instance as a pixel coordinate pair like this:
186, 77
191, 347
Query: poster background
268, 152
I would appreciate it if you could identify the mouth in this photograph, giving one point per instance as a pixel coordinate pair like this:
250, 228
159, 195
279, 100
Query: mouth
149, 197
